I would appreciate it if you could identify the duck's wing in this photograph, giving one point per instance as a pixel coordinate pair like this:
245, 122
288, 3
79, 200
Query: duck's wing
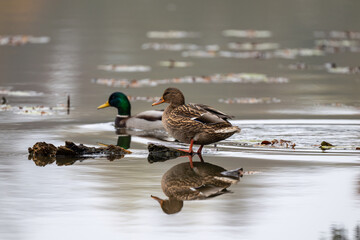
209, 190
211, 110
201, 113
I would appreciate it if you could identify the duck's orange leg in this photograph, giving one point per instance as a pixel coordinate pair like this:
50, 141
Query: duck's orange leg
201, 158
190, 147
200, 149
191, 162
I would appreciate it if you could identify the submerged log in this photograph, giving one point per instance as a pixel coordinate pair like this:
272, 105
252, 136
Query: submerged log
43, 153
161, 153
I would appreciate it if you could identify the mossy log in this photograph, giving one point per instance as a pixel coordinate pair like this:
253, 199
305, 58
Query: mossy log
45, 153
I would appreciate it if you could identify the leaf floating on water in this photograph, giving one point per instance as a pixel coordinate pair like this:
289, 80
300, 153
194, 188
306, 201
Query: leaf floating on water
279, 143
124, 68
247, 33
250, 100
172, 34
216, 78
323, 143
19, 40
326, 146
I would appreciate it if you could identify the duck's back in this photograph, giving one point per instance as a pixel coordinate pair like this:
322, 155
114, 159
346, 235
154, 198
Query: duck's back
200, 122
184, 183
148, 120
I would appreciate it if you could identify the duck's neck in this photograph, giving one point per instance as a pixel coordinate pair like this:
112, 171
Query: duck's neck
124, 111
169, 109
120, 121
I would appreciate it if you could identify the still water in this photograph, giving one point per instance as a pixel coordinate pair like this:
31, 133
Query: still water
276, 84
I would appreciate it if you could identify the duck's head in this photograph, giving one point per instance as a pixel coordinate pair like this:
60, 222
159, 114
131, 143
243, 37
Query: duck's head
169, 206
120, 101
172, 96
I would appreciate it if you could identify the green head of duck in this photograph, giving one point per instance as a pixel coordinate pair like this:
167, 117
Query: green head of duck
119, 101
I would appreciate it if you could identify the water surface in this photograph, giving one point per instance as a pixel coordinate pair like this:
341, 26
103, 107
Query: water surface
301, 193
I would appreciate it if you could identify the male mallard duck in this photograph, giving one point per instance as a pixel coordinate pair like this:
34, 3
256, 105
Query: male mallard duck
148, 120
181, 183
194, 123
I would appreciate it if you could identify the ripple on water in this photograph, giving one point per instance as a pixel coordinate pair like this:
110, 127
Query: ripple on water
306, 133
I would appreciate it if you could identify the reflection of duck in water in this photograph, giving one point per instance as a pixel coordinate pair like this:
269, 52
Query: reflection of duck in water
203, 181
194, 123
148, 120
124, 141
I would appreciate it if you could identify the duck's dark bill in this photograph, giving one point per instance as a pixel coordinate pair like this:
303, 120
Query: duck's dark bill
104, 105
160, 101
157, 199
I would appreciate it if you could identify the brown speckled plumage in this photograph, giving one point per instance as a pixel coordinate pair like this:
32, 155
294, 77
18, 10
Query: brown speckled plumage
181, 183
197, 122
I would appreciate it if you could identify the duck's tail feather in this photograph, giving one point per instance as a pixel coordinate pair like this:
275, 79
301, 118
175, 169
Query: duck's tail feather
232, 129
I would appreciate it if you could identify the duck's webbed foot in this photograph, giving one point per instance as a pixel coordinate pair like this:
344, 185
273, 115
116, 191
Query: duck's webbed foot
190, 151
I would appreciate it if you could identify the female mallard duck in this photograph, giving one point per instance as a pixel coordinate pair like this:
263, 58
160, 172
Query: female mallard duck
194, 123
182, 183
148, 120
